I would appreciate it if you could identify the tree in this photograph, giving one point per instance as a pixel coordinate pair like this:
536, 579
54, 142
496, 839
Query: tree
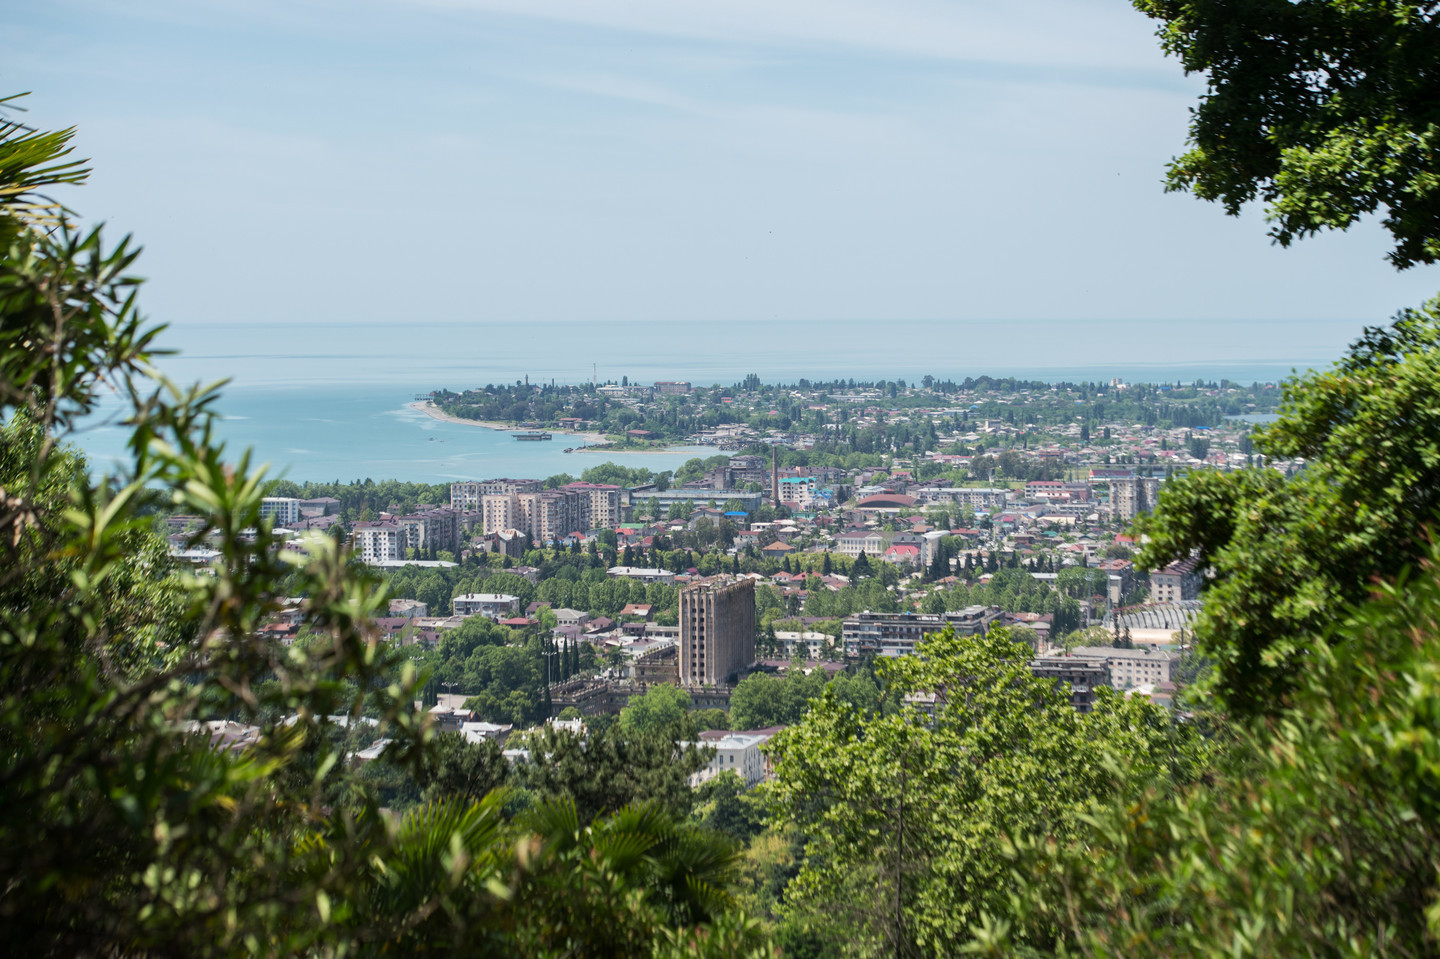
458, 769
905, 814
140, 828
133, 833
459, 879
661, 707
611, 768
764, 700
1324, 109
1286, 557
1314, 832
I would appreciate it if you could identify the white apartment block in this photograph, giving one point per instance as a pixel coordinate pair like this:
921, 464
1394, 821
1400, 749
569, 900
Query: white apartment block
379, 542
810, 645
738, 753
280, 510
644, 575
975, 498
489, 605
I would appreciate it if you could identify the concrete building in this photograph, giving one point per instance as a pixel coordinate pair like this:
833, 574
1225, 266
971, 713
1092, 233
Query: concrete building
737, 753
897, 634
809, 645
1131, 667
852, 543
671, 387
379, 541
717, 631
1083, 675
644, 575
467, 496
597, 506
432, 529
798, 491
490, 605
693, 497
550, 515
1175, 583
409, 608
280, 510
976, 498
1130, 496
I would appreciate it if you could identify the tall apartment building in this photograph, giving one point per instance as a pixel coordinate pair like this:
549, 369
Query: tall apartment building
897, 634
280, 510
717, 631
467, 496
379, 542
600, 505
1130, 496
671, 387
434, 528
798, 491
548, 515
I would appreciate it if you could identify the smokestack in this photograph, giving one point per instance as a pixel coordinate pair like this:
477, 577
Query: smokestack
775, 475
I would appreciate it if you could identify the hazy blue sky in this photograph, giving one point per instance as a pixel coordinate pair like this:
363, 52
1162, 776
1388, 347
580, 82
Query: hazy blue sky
364, 160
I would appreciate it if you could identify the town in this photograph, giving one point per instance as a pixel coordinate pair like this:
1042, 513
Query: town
845, 523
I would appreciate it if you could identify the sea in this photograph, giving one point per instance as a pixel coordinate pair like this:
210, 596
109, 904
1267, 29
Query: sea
328, 401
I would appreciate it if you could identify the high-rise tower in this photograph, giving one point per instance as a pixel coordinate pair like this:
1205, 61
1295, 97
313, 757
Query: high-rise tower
717, 631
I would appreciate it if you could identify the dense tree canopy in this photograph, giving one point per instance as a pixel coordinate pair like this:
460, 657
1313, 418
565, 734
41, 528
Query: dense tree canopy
1286, 557
1327, 110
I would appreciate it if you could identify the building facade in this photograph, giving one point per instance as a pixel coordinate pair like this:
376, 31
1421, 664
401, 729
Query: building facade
489, 605
1131, 667
717, 631
897, 634
378, 542
975, 498
1133, 495
1083, 676
467, 496
1175, 583
280, 510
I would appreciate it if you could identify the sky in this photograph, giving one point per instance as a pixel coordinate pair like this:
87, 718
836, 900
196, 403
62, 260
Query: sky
492, 161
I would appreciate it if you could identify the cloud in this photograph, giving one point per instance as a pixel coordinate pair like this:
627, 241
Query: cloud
1041, 33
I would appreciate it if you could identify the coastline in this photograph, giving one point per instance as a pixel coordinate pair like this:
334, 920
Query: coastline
430, 410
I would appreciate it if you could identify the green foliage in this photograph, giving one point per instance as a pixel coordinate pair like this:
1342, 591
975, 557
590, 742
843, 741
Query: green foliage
764, 700
728, 806
458, 878
1324, 109
905, 816
1317, 835
123, 830
1287, 557
460, 770
611, 768
662, 707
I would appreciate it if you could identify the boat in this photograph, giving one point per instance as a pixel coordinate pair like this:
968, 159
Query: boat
533, 435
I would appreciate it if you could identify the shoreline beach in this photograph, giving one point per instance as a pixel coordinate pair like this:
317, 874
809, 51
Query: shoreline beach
430, 410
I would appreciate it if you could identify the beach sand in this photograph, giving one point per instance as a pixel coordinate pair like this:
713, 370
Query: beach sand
434, 412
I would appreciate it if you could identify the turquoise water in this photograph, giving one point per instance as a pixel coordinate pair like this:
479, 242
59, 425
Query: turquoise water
326, 402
